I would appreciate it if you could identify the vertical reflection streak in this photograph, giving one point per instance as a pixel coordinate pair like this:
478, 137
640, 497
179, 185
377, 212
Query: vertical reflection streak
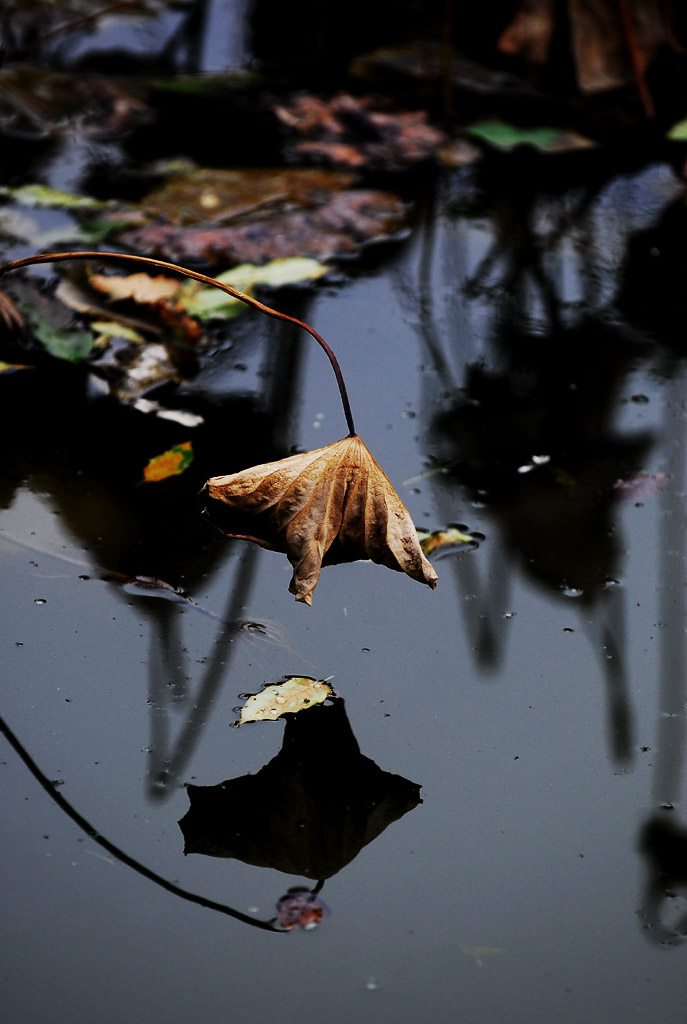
673, 604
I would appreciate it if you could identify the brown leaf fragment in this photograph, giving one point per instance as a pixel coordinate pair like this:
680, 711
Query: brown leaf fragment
11, 320
529, 33
323, 507
338, 227
140, 288
199, 195
352, 132
613, 43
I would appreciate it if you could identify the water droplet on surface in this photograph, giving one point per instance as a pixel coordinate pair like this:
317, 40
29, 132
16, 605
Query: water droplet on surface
508, 615
372, 984
610, 584
18, 643
541, 460
640, 399
568, 629
39, 600
571, 591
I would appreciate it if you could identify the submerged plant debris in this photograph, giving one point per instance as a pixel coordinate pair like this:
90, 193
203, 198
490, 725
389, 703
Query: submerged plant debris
353, 131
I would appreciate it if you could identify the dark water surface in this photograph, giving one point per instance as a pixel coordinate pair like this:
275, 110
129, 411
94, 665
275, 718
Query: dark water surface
537, 696
516, 365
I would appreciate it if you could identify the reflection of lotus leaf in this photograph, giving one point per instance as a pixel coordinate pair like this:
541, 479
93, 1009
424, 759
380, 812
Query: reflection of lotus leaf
309, 811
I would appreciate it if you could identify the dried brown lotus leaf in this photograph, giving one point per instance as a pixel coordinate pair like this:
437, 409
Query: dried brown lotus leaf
324, 507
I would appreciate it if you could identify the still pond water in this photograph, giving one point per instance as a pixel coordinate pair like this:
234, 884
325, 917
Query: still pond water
515, 365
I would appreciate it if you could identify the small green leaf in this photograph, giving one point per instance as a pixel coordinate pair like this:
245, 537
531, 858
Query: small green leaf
111, 329
508, 136
42, 195
294, 694
678, 133
69, 344
207, 303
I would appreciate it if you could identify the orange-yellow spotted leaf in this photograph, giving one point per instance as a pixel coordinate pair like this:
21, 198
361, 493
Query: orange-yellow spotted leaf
11, 367
172, 462
139, 287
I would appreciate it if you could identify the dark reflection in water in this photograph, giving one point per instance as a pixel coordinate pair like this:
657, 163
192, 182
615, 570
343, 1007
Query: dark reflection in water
528, 430
664, 907
663, 839
309, 811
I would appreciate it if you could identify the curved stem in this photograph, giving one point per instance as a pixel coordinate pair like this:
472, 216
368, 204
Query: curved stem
56, 257
115, 851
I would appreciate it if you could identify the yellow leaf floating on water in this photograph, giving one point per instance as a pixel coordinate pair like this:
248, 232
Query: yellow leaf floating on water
430, 542
295, 694
170, 463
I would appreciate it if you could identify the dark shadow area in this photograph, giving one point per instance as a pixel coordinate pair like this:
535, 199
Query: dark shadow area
310, 811
664, 848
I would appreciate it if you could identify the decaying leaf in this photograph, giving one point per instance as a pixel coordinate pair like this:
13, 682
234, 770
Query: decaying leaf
431, 542
322, 225
170, 463
138, 287
294, 694
301, 908
349, 131
323, 507
36, 102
